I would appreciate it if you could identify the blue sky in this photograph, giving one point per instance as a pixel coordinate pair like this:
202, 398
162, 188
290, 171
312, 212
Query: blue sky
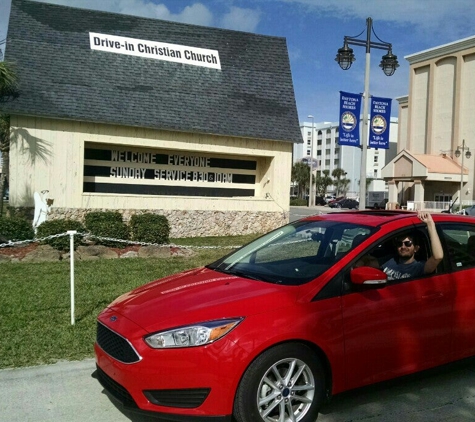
314, 30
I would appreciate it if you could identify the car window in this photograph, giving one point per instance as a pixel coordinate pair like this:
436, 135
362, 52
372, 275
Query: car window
384, 250
296, 253
460, 245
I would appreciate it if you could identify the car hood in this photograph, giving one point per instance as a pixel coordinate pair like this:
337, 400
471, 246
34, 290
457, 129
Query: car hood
199, 295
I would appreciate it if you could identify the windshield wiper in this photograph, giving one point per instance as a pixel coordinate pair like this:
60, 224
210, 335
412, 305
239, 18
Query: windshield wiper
267, 279
239, 274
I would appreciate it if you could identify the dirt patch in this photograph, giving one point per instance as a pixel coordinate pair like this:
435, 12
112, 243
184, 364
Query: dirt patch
19, 252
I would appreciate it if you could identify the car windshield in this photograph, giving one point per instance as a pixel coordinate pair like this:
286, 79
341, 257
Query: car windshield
294, 254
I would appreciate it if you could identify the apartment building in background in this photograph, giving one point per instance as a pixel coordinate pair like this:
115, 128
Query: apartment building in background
329, 155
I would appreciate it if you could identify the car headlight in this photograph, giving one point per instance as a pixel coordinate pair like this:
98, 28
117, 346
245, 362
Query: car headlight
192, 335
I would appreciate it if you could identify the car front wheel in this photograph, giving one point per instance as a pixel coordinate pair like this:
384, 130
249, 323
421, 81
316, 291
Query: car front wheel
284, 384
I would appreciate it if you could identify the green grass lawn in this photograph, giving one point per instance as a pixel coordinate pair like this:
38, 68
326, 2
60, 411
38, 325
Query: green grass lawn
35, 314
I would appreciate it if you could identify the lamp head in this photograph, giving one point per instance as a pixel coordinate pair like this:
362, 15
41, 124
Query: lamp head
389, 63
345, 56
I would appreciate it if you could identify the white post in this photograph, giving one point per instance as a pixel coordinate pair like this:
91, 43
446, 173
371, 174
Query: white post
71, 258
364, 136
311, 195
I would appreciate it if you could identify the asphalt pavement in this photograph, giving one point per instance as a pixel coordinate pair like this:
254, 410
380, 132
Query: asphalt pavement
68, 392
296, 213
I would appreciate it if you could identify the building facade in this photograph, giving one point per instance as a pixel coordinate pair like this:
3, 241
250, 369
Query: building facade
435, 120
329, 155
139, 115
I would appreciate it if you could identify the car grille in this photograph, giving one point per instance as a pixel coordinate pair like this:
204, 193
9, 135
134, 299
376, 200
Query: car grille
114, 345
115, 389
185, 398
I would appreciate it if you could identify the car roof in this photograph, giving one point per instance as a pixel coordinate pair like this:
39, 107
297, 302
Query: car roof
376, 218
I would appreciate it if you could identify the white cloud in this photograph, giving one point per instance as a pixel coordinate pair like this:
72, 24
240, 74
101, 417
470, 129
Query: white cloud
197, 13
425, 16
241, 19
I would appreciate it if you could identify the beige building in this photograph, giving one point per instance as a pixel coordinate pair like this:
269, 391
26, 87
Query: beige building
435, 120
141, 115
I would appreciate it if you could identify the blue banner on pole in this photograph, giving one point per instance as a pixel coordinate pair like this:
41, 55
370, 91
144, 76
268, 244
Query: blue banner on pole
349, 131
380, 119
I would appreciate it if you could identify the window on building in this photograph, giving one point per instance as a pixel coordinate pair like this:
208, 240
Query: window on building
443, 197
376, 160
319, 142
319, 152
309, 133
309, 141
308, 152
375, 174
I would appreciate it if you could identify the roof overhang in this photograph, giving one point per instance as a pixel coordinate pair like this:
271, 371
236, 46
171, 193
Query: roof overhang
407, 166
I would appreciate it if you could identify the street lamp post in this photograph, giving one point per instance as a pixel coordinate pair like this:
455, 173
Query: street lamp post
389, 63
460, 152
311, 197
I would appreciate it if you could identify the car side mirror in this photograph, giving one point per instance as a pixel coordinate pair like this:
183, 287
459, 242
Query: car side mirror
368, 276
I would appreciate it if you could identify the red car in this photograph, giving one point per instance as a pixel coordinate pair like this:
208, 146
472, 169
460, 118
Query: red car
269, 332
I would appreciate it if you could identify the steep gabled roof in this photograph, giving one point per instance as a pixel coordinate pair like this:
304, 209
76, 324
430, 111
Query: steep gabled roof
62, 77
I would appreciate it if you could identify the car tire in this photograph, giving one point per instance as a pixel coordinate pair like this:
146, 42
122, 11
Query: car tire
262, 395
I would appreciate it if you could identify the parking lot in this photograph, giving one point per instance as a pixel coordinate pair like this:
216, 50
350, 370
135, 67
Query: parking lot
67, 391
297, 213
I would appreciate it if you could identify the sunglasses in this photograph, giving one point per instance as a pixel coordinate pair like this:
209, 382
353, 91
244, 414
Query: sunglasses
406, 243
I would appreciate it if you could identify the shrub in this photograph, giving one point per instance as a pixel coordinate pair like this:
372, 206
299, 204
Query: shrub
107, 224
15, 229
52, 227
150, 228
296, 202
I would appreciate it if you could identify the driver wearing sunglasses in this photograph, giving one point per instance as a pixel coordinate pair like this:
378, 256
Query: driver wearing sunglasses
405, 265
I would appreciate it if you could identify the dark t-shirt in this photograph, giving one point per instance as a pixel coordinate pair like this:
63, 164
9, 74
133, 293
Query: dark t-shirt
397, 271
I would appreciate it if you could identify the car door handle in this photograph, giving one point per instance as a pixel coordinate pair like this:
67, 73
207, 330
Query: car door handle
433, 295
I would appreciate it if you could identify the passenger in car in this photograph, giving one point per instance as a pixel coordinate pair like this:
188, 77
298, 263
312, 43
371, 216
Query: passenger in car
405, 264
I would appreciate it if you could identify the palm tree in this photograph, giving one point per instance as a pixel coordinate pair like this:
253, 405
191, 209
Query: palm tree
322, 182
301, 176
8, 85
340, 182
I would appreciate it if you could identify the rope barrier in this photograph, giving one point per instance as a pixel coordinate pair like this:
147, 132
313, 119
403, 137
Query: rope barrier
88, 236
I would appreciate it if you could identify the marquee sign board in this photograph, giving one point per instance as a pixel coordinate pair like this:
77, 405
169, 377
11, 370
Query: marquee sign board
124, 170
